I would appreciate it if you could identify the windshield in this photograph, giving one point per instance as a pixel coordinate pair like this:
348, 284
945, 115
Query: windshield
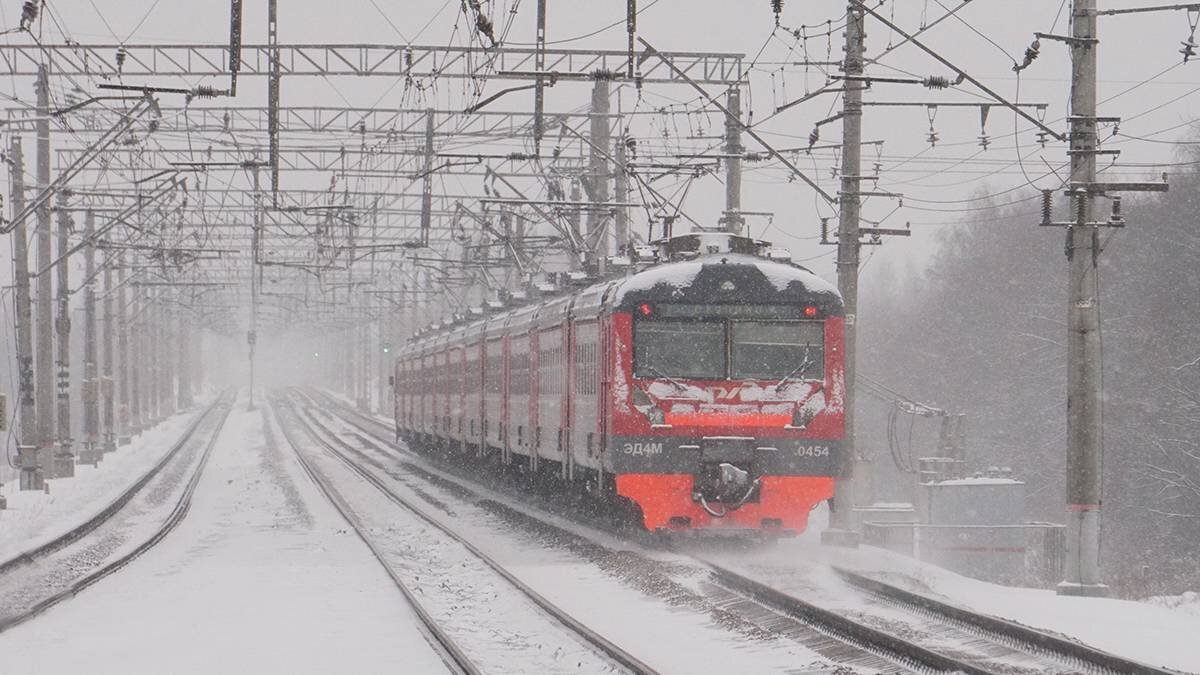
777, 349
690, 349
725, 349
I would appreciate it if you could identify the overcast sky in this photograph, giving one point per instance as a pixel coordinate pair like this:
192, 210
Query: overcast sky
1141, 72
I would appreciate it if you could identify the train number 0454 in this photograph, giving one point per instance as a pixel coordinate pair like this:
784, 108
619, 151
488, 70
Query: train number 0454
814, 451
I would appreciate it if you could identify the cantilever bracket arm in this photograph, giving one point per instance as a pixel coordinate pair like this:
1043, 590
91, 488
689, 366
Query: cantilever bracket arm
651, 51
85, 158
859, 4
502, 92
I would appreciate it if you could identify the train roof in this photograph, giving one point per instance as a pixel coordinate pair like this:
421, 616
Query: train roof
727, 278
698, 268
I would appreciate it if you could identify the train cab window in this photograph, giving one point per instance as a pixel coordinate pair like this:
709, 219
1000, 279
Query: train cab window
777, 349
687, 349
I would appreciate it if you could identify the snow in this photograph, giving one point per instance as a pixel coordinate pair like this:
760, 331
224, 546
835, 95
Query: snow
261, 576
649, 615
1157, 632
682, 274
781, 276
1187, 603
981, 480
34, 518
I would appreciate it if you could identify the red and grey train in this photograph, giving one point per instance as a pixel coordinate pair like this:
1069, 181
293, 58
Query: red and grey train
706, 390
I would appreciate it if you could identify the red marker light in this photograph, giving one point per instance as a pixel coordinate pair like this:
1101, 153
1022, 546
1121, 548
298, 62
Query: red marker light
810, 311
645, 309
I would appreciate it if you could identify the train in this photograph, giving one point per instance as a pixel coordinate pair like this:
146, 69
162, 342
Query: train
701, 390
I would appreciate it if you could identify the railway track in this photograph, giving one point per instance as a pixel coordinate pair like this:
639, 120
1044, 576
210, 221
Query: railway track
983, 644
1066, 652
38, 579
449, 641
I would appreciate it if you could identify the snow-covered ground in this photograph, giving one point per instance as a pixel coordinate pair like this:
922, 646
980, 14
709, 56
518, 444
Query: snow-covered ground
261, 576
657, 612
34, 518
264, 576
1162, 632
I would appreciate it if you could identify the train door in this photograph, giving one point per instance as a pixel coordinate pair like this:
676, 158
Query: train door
535, 392
568, 392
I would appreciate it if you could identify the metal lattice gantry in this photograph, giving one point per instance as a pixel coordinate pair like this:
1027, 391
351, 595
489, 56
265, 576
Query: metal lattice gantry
130, 62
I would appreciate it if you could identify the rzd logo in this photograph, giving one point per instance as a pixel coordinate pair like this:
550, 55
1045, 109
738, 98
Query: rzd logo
725, 394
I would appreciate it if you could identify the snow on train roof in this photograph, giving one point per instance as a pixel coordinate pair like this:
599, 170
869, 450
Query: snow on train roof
683, 274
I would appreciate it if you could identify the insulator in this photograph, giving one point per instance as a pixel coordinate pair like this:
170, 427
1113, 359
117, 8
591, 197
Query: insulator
984, 141
937, 82
932, 138
1031, 54
777, 8
1188, 50
29, 12
206, 91
1047, 206
814, 136
121, 53
1042, 138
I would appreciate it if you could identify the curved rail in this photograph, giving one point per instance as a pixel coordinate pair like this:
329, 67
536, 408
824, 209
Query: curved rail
81, 530
1027, 639
856, 635
178, 512
1044, 647
595, 639
451, 653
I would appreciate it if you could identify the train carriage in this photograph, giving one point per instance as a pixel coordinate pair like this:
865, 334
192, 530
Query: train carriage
706, 390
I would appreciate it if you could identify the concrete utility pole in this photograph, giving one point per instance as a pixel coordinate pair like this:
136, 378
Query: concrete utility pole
851, 488
573, 220
126, 377
44, 366
732, 219
64, 459
427, 181
150, 340
90, 453
166, 360
621, 196
133, 326
27, 426
252, 334
184, 345
273, 85
539, 91
600, 139
1082, 568
107, 408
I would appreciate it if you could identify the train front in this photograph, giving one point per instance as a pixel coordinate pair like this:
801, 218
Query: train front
727, 394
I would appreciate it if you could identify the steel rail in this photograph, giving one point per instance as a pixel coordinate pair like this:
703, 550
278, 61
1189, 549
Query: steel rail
178, 512
841, 628
1033, 641
847, 631
452, 655
589, 635
84, 528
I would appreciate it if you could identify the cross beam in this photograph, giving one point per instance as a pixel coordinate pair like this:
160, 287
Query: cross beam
357, 60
